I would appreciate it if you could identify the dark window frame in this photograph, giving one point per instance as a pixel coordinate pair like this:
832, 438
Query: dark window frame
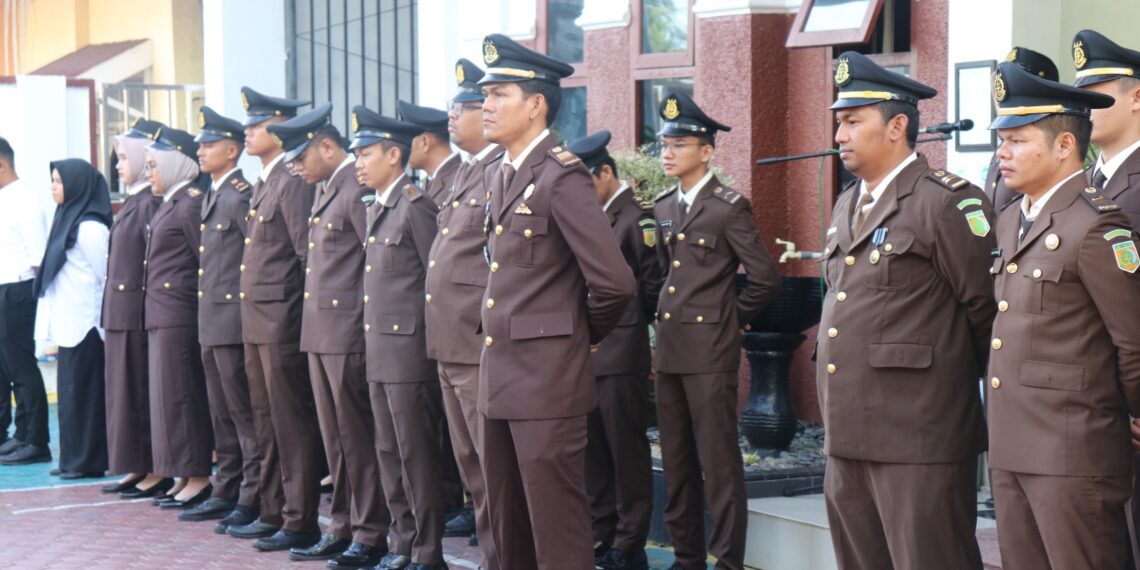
641, 60
861, 34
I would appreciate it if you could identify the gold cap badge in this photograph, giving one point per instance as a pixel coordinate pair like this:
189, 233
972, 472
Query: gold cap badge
999, 87
671, 111
842, 71
1012, 55
244, 101
1079, 58
490, 52
355, 122
136, 123
201, 120
459, 75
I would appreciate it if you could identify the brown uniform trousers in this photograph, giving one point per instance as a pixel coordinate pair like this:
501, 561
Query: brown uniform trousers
331, 332
699, 320
439, 189
902, 342
272, 281
548, 239
181, 435
619, 469
1064, 376
219, 332
452, 319
125, 346
403, 381
1124, 189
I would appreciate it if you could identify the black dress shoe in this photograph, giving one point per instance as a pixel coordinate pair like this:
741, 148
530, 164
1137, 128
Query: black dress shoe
437, 566
163, 498
462, 524
70, 475
240, 516
285, 540
159, 488
213, 508
254, 529
393, 561
328, 546
358, 556
617, 559
26, 454
119, 487
473, 540
192, 501
10, 446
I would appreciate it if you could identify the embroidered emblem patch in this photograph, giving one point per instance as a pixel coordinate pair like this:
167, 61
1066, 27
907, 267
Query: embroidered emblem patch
1127, 258
978, 223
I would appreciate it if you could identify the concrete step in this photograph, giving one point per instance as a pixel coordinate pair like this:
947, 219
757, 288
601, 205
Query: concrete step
791, 533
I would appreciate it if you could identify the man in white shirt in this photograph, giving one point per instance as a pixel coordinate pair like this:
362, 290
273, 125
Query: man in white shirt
22, 238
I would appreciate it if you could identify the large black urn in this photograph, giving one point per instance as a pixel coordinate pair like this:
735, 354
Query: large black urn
769, 419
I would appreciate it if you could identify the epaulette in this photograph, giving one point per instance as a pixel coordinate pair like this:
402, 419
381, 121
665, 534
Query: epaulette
952, 182
239, 184
193, 192
665, 194
1098, 201
725, 194
564, 156
412, 193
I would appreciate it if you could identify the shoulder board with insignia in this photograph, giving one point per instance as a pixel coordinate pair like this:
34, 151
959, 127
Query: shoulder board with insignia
665, 194
951, 181
564, 157
412, 193
726, 194
1098, 201
239, 184
193, 192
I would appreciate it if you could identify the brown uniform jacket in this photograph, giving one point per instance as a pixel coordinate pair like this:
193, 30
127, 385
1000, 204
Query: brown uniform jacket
400, 232
548, 238
626, 349
331, 321
223, 232
1124, 187
906, 323
172, 251
999, 194
123, 296
440, 185
273, 277
699, 314
457, 282
1064, 371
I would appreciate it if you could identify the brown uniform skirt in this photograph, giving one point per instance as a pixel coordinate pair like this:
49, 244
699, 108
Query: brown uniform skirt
181, 436
128, 402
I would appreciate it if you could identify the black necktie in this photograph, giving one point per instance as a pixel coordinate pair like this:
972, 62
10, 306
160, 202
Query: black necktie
1099, 179
1025, 225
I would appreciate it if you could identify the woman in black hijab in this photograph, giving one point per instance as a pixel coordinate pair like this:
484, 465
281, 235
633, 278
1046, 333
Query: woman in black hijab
70, 290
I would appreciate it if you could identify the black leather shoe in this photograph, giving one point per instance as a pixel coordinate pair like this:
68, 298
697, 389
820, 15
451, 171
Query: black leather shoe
26, 454
473, 540
358, 556
439, 566
240, 516
159, 488
462, 524
122, 486
393, 561
286, 540
617, 559
213, 508
197, 498
10, 446
69, 475
328, 546
255, 529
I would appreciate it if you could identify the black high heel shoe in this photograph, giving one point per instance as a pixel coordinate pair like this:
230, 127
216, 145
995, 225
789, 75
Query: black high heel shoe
197, 498
122, 486
158, 488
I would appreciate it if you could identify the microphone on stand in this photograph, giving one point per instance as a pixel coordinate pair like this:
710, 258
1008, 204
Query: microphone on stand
947, 128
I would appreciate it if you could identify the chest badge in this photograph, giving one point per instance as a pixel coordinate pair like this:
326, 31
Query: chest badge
877, 239
1052, 242
528, 192
523, 209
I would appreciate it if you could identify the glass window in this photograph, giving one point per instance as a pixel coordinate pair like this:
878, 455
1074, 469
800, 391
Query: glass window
571, 121
664, 26
652, 92
564, 39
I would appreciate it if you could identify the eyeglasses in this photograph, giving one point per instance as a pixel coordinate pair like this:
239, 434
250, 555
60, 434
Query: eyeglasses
675, 146
458, 108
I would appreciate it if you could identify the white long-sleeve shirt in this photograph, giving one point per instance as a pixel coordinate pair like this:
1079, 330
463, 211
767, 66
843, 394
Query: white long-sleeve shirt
23, 232
73, 301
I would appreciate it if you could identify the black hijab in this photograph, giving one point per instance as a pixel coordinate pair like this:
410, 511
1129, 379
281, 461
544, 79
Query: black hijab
85, 197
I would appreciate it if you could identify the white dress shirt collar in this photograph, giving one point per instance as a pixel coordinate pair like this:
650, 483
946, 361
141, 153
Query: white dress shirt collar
445, 161
1031, 211
688, 196
518, 162
383, 199
218, 183
624, 186
1110, 167
268, 168
347, 160
171, 192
